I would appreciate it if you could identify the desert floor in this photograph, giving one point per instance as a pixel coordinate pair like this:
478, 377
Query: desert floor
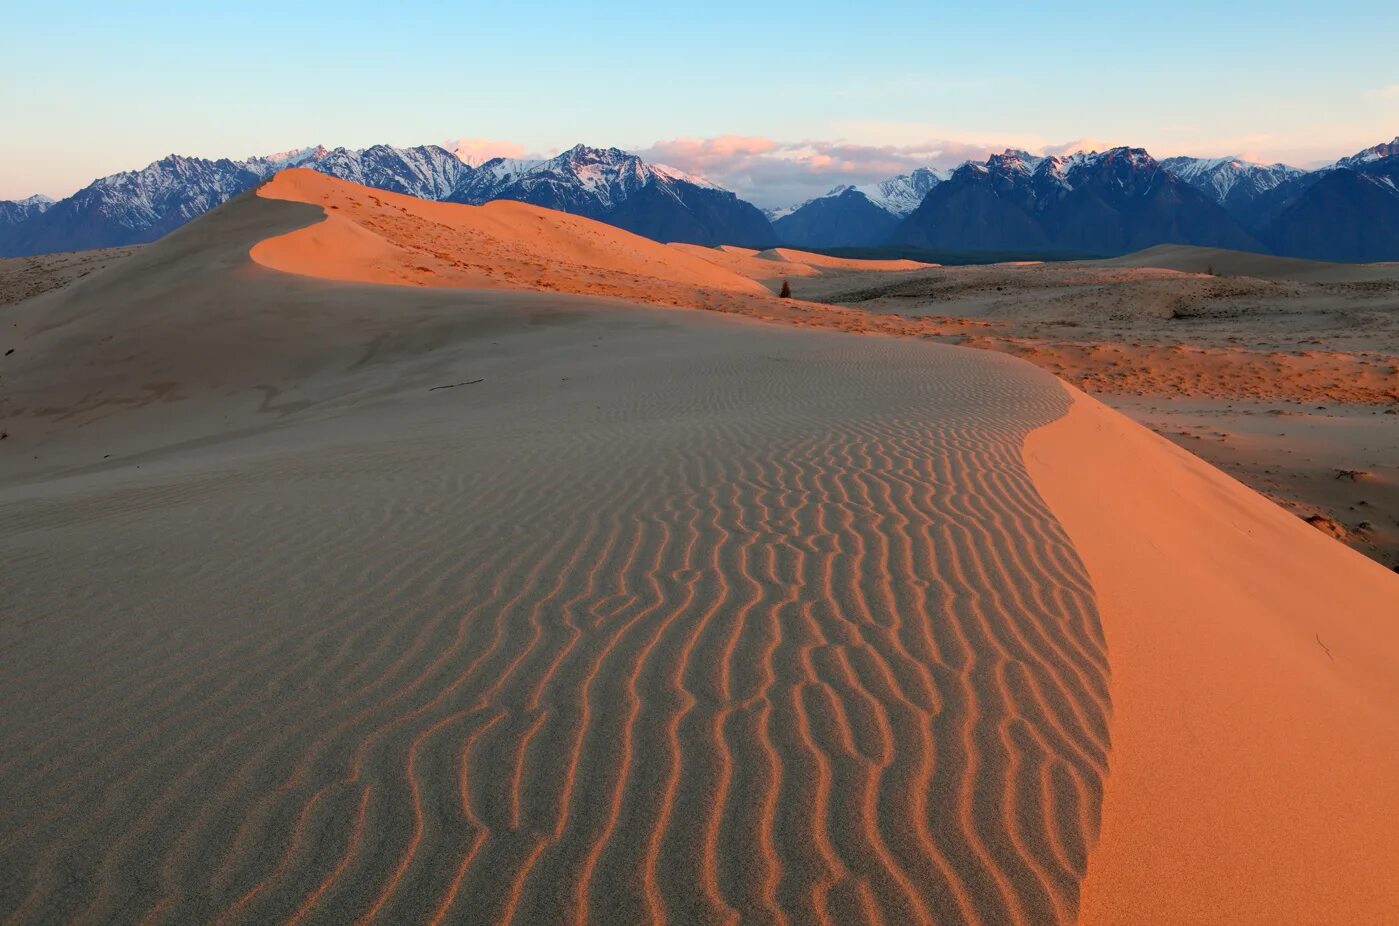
1283, 373
389, 590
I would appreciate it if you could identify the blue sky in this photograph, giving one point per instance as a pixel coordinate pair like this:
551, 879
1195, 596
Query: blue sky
88, 89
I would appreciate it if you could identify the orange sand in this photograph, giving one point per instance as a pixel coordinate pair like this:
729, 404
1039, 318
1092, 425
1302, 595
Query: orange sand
826, 262
1188, 371
746, 262
371, 236
1255, 674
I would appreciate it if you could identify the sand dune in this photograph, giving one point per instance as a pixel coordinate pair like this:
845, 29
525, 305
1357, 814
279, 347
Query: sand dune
371, 236
669, 615
1222, 262
786, 264
413, 603
827, 262
1255, 673
746, 262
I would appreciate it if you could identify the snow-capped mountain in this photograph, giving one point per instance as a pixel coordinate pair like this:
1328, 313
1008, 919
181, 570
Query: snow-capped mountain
141, 205
14, 211
297, 157
619, 188
855, 215
844, 218
1106, 202
1232, 182
609, 185
1348, 211
425, 171
1102, 202
1363, 159
131, 207
902, 194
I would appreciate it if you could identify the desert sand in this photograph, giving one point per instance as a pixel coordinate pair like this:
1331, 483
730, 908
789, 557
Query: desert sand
354, 592
26, 277
781, 263
1254, 736
1284, 372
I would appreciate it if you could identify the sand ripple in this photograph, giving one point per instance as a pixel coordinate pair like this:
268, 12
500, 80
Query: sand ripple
736, 624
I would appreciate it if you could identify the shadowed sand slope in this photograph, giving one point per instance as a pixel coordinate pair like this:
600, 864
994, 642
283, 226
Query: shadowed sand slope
1255, 677
653, 616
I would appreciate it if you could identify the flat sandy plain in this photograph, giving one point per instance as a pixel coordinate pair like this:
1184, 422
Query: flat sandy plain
402, 589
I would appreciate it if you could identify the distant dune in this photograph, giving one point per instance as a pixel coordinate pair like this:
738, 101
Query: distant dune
371, 236
748, 262
1224, 262
826, 262
355, 592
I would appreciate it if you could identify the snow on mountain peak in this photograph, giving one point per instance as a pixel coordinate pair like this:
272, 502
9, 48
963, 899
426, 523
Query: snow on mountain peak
297, 156
1218, 178
1376, 153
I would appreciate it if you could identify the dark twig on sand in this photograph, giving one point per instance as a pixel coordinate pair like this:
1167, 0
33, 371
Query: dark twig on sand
1325, 647
470, 382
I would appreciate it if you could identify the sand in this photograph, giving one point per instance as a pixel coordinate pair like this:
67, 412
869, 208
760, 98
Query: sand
827, 262
26, 277
352, 595
1199, 357
1254, 737
649, 614
746, 262
1221, 262
372, 236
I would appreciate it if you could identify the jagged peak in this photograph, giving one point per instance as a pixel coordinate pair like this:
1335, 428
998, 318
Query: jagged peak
1374, 153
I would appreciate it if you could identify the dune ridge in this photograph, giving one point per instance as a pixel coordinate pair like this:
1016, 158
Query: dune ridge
373, 236
668, 616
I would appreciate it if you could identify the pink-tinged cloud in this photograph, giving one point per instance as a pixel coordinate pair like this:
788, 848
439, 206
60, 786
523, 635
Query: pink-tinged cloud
1074, 147
476, 151
775, 173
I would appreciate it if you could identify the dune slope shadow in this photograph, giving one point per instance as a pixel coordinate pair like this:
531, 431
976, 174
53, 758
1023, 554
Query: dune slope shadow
671, 618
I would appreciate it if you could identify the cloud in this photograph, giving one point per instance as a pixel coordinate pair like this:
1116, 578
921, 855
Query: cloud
475, 151
1073, 147
775, 173
779, 173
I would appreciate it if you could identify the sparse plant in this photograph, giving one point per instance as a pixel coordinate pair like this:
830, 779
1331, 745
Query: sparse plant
786, 290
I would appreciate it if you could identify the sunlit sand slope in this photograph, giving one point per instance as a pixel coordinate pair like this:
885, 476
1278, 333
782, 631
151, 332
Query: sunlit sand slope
653, 616
1255, 677
372, 236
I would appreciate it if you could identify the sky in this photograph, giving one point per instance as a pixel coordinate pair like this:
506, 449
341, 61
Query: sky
776, 100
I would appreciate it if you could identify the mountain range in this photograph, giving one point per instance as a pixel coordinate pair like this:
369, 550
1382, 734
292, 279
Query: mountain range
1110, 203
855, 216
1105, 202
609, 185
